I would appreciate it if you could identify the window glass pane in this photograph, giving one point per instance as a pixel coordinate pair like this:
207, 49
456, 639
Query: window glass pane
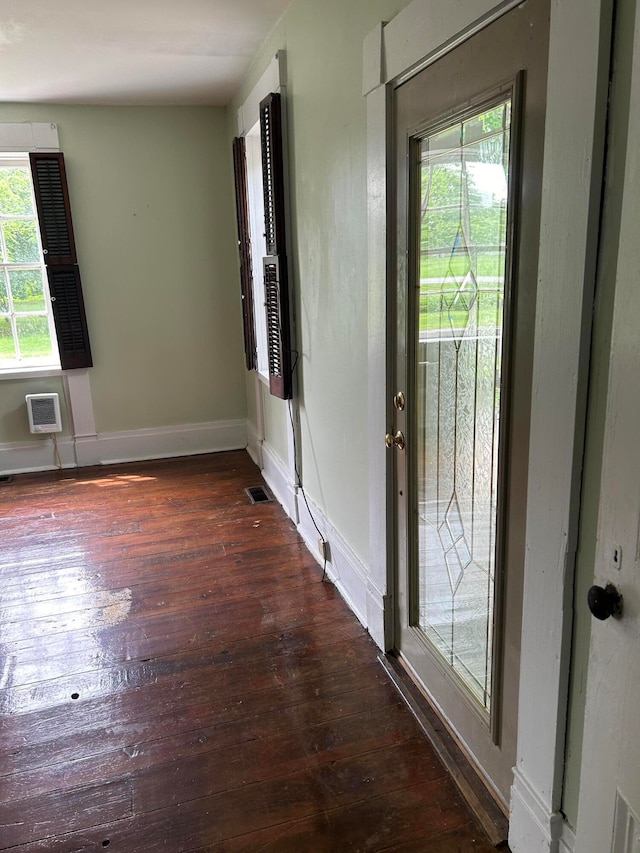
25, 336
15, 191
21, 241
463, 187
7, 349
27, 290
33, 337
4, 301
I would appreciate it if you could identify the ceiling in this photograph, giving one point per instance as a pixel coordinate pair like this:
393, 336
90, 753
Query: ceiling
130, 51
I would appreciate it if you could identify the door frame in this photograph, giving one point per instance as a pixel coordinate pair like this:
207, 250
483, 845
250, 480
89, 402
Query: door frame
580, 38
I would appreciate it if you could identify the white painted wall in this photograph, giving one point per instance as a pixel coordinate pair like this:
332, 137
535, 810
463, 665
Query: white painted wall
327, 166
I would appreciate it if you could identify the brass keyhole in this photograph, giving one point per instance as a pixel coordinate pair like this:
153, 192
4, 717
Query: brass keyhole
399, 401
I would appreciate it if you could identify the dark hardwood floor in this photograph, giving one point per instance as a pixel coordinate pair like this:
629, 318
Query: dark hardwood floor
175, 677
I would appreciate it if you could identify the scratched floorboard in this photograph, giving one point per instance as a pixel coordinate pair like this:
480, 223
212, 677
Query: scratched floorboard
176, 677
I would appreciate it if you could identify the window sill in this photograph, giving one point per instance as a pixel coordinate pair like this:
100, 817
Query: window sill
263, 377
30, 372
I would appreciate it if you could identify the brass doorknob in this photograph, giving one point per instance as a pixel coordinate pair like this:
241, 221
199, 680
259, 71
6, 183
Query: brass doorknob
398, 440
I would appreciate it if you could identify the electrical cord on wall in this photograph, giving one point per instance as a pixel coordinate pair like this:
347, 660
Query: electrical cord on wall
56, 452
294, 365
298, 477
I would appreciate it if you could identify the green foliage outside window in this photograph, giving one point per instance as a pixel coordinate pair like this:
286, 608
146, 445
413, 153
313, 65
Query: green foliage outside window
20, 247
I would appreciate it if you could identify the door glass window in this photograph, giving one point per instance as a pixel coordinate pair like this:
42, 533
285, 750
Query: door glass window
463, 179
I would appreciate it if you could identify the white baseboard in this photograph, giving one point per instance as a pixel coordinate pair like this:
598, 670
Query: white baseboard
344, 568
24, 457
379, 617
279, 481
254, 445
533, 828
165, 442
568, 840
130, 446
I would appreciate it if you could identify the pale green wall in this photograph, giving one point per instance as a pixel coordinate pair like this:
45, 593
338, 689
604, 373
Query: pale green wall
14, 420
274, 412
327, 139
154, 223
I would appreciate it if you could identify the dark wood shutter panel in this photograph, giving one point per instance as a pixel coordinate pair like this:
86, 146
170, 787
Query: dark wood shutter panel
278, 336
58, 244
54, 210
244, 248
273, 174
69, 316
275, 264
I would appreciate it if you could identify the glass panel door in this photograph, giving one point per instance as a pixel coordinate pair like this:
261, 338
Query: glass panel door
463, 179
468, 152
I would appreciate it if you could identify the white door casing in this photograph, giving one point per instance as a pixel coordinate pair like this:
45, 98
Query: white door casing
609, 804
578, 63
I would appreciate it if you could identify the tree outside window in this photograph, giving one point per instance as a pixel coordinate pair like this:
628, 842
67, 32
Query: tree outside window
27, 335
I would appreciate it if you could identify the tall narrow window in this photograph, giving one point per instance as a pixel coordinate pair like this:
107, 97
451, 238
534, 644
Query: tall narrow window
27, 331
42, 316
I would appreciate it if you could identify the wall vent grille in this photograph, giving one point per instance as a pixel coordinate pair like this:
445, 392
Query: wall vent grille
44, 412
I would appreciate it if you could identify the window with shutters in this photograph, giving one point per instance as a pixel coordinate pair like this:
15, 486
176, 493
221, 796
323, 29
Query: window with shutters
27, 331
42, 318
262, 242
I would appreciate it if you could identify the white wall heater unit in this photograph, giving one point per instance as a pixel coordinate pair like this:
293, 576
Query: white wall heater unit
44, 412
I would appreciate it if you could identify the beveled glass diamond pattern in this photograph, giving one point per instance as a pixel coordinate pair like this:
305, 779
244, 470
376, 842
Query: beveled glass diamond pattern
460, 287
457, 553
463, 183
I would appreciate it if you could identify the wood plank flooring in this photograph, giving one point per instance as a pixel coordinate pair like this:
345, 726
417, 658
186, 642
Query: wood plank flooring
175, 677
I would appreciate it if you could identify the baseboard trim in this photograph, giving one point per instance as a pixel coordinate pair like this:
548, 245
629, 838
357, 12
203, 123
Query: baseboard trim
126, 446
533, 827
344, 568
37, 455
279, 481
379, 616
568, 840
254, 445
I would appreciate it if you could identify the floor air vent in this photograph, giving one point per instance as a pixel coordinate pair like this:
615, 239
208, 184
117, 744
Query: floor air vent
258, 495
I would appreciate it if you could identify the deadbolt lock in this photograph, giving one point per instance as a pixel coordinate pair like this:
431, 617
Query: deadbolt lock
398, 440
399, 401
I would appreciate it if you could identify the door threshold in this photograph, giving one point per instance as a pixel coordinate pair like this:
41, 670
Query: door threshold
464, 775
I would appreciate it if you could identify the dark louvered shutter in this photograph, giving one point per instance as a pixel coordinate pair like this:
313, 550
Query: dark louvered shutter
58, 244
275, 263
244, 248
277, 308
